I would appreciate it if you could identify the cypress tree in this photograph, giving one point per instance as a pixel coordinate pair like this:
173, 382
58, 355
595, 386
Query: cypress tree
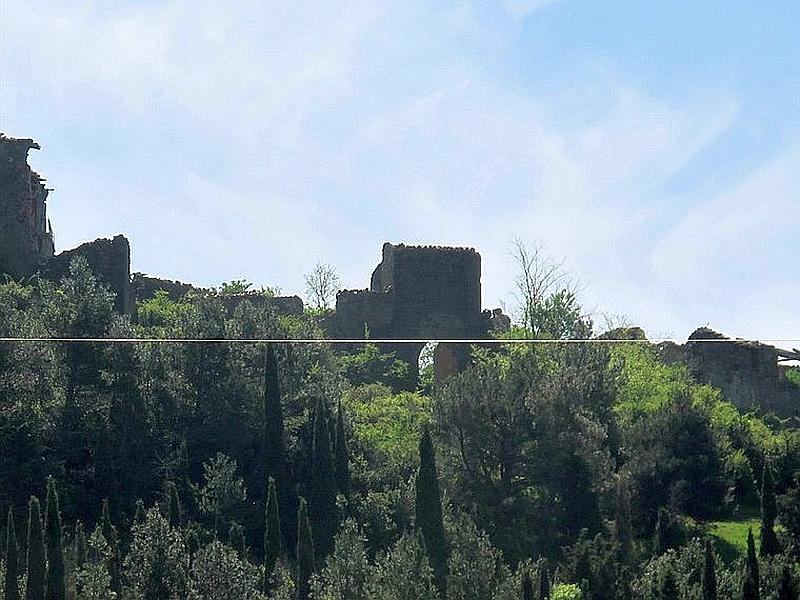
305, 551
429, 513
342, 455
55, 585
139, 513
787, 589
110, 535
322, 496
79, 548
12, 560
661, 539
527, 586
752, 583
769, 541
174, 513
623, 530
275, 464
544, 582
273, 547
36, 558
709, 574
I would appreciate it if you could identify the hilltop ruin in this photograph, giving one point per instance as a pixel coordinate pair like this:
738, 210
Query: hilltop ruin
415, 293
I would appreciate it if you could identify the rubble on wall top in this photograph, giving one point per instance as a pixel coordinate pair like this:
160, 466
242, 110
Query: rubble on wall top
454, 249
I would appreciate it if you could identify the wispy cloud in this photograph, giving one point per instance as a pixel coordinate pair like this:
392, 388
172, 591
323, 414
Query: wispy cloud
247, 140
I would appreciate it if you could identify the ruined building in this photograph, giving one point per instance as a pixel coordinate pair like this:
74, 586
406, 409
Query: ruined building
418, 293
415, 293
751, 375
26, 240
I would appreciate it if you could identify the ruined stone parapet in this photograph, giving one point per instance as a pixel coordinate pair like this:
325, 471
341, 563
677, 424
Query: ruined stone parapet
144, 287
109, 260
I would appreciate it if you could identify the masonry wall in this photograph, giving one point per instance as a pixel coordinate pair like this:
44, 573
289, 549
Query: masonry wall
747, 373
109, 260
25, 239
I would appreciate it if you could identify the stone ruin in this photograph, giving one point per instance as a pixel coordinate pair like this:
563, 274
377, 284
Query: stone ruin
751, 375
416, 292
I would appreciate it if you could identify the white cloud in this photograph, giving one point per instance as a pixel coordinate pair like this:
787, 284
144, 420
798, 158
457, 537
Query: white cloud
290, 134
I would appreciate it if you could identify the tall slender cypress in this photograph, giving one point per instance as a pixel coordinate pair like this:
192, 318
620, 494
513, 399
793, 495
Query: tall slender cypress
80, 550
322, 495
36, 559
752, 582
769, 541
12, 560
54, 580
174, 513
786, 588
275, 464
305, 551
273, 547
544, 582
139, 513
342, 454
429, 513
110, 535
623, 529
709, 574
527, 586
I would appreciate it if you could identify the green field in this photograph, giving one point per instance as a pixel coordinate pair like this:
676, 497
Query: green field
730, 537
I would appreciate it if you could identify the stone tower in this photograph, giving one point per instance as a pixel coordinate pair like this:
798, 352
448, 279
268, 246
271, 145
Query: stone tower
26, 240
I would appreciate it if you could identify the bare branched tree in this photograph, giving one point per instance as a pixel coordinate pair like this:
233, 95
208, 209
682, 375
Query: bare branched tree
538, 277
321, 286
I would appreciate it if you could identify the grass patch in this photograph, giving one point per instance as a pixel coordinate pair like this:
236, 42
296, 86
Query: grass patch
730, 537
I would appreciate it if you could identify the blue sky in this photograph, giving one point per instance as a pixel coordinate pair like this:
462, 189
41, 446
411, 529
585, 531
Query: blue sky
654, 146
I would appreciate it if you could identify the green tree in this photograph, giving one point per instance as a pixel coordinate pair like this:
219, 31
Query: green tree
527, 586
12, 568
769, 541
80, 550
623, 528
544, 582
223, 490
156, 566
429, 512
709, 580
54, 579
273, 546
668, 587
92, 580
787, 589
347, 570
751, 584
275, 462
138, 515
305, 551
403, 572
322, 495
109, 532
218, 573
174, 512
35, 587
342, 454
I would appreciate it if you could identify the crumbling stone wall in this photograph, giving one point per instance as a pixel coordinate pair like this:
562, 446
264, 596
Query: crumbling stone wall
26, 241
109, 260
747, 372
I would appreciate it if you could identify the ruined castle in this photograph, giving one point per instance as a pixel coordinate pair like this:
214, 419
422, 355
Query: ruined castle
415, 293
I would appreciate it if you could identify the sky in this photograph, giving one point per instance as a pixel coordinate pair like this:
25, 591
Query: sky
654, 147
